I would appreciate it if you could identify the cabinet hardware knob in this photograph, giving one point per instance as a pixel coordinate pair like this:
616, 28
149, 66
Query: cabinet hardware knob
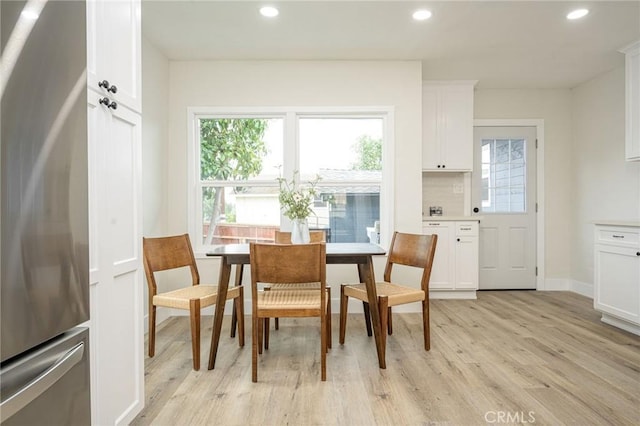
108, 103
476, 210
105, 85
438, 165
443, 166
638, 253
457, 239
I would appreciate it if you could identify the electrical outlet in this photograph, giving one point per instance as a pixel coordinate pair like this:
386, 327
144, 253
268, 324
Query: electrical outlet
458, 188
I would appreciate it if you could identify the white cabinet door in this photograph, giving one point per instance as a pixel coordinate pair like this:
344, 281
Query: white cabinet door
114, 49
447, 126
115, 262
457, 128
430, 141
466, 249
617, 281
443, 270
632, 101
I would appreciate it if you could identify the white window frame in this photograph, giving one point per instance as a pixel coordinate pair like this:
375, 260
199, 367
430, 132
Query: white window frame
291, 116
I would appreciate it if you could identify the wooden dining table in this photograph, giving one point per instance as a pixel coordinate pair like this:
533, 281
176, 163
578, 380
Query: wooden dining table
360, 254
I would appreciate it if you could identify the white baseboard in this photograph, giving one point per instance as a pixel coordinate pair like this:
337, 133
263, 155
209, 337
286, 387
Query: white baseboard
585, 289
568, 284
557, 284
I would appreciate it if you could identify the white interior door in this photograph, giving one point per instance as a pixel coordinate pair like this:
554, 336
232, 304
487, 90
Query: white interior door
504, 194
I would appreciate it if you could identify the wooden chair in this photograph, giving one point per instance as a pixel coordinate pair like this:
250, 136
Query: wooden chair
282, 237
305, 263
164, 253
406, 249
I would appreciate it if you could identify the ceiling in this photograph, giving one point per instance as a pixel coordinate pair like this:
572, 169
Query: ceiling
502, 44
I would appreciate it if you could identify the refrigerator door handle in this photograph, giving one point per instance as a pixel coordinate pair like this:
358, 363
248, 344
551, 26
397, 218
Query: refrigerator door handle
40, 384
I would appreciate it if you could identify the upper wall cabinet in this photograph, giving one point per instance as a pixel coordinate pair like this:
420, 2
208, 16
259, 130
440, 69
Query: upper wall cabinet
114, 51
447, 125
632, 101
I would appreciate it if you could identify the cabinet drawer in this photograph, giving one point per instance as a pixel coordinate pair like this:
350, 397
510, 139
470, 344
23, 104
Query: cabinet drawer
621, 236
426, 225
466, 228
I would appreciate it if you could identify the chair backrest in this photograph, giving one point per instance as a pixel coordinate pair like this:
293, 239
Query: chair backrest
285, 237
415, 250
287, 264
163, 253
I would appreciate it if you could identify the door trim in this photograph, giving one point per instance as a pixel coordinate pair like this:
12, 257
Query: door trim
539, 125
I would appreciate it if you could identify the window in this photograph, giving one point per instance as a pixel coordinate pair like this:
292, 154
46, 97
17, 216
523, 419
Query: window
237, 156
503, 175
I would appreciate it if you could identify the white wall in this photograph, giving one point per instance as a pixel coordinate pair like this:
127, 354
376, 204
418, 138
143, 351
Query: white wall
155, 97
301, 83
554, 107
604, 185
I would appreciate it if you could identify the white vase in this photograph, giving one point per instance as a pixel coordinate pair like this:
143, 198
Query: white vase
300, 232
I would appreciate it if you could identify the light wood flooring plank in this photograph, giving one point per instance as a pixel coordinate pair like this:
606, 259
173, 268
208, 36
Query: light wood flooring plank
541, 356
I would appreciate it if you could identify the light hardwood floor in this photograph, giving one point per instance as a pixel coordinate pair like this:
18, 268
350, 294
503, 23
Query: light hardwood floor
509, 357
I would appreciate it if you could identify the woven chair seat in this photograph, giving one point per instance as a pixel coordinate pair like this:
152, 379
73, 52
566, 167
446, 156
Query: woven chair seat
291, 299
179, 298
397, 294
294, 286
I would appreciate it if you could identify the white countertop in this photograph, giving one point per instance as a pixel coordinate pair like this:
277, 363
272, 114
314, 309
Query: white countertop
450, 218
618, 222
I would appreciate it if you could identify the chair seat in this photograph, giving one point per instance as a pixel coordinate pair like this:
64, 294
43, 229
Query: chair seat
295, 286
397, 294
276, 301
179, 298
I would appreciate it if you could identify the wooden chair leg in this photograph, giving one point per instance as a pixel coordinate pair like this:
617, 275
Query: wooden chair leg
152, 330
194, 314
344, 301
239, 304
255, 331
259, 325
329, 318
390, 323
383, 303
323, 346
266, 333
425, 324
367, 318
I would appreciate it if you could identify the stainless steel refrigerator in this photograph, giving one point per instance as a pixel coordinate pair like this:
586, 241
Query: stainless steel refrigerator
44, 297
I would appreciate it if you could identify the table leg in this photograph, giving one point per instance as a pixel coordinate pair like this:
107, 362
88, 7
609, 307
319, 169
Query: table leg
234, 314
223, 286
365, 271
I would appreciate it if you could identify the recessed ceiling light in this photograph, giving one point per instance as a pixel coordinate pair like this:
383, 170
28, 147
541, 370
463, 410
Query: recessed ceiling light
421, 15
577, 14
269, 11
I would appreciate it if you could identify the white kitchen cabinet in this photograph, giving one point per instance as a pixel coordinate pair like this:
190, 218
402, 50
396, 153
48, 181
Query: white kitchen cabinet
114, 50
617, 275
447, 126
455, 265
632, 101
115, 215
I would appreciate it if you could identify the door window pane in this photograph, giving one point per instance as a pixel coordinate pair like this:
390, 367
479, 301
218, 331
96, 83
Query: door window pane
503, 175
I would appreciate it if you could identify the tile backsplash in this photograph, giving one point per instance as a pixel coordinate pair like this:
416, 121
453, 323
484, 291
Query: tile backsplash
445, 190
